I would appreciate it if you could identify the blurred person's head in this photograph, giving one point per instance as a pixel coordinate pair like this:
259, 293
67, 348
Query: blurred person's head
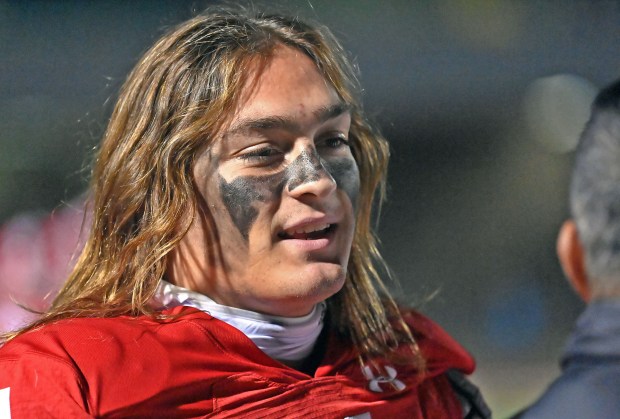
237, 143
589, 244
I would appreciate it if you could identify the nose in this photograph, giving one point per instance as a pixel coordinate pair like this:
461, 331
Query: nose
307, 175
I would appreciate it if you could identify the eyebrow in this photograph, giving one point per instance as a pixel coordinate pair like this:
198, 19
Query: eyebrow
322, 114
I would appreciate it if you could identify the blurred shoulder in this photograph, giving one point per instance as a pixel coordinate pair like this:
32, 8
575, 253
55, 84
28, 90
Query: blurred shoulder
580, 392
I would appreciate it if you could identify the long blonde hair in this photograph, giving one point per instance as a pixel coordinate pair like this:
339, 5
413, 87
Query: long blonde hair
174, 103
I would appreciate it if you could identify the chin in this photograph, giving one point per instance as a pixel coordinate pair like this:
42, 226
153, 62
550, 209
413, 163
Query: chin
322, 280
301, 289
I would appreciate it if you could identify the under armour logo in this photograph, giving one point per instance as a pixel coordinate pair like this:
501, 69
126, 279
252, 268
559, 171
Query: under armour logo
376, 382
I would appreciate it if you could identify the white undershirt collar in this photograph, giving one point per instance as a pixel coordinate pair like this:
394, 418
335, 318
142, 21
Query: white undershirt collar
282, 338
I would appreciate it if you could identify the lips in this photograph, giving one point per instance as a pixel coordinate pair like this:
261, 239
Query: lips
307, 232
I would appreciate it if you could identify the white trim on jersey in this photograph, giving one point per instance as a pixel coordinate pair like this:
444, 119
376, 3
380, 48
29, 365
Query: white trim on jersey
5, 403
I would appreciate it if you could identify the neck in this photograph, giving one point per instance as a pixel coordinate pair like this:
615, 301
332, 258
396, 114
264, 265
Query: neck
289, 340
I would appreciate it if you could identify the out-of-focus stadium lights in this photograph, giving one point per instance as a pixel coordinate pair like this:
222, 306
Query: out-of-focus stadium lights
556, 109
483, 24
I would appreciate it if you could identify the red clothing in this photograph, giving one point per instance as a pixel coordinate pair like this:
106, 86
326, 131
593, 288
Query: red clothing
197, 366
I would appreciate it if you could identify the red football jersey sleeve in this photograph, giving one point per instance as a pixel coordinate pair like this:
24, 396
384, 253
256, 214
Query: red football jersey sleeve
36, 386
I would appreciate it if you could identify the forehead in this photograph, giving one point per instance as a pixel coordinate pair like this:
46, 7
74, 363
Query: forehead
288, 84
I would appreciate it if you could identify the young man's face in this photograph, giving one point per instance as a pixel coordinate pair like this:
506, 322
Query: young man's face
279, 187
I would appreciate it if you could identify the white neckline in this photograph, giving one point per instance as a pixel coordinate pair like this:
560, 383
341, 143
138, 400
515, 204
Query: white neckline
286, 339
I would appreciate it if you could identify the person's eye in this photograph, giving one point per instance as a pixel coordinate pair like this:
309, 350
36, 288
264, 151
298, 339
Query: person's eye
335, 141
263, 155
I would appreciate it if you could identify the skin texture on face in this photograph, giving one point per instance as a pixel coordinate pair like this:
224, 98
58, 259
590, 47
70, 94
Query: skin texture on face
240, 195
278, 190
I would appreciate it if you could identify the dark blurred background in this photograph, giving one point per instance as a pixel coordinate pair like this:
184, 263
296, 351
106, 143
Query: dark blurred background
482, 102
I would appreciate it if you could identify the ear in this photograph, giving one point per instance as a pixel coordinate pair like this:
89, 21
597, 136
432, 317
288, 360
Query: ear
570, 253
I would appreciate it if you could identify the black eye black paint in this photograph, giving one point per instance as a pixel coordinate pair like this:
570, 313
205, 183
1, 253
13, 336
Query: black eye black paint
241, 195
305, 168
345, 173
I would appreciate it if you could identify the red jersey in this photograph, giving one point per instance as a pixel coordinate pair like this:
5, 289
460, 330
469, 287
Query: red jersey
194, 366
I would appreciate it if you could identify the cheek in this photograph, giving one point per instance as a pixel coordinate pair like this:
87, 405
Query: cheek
347, 177
244, 196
